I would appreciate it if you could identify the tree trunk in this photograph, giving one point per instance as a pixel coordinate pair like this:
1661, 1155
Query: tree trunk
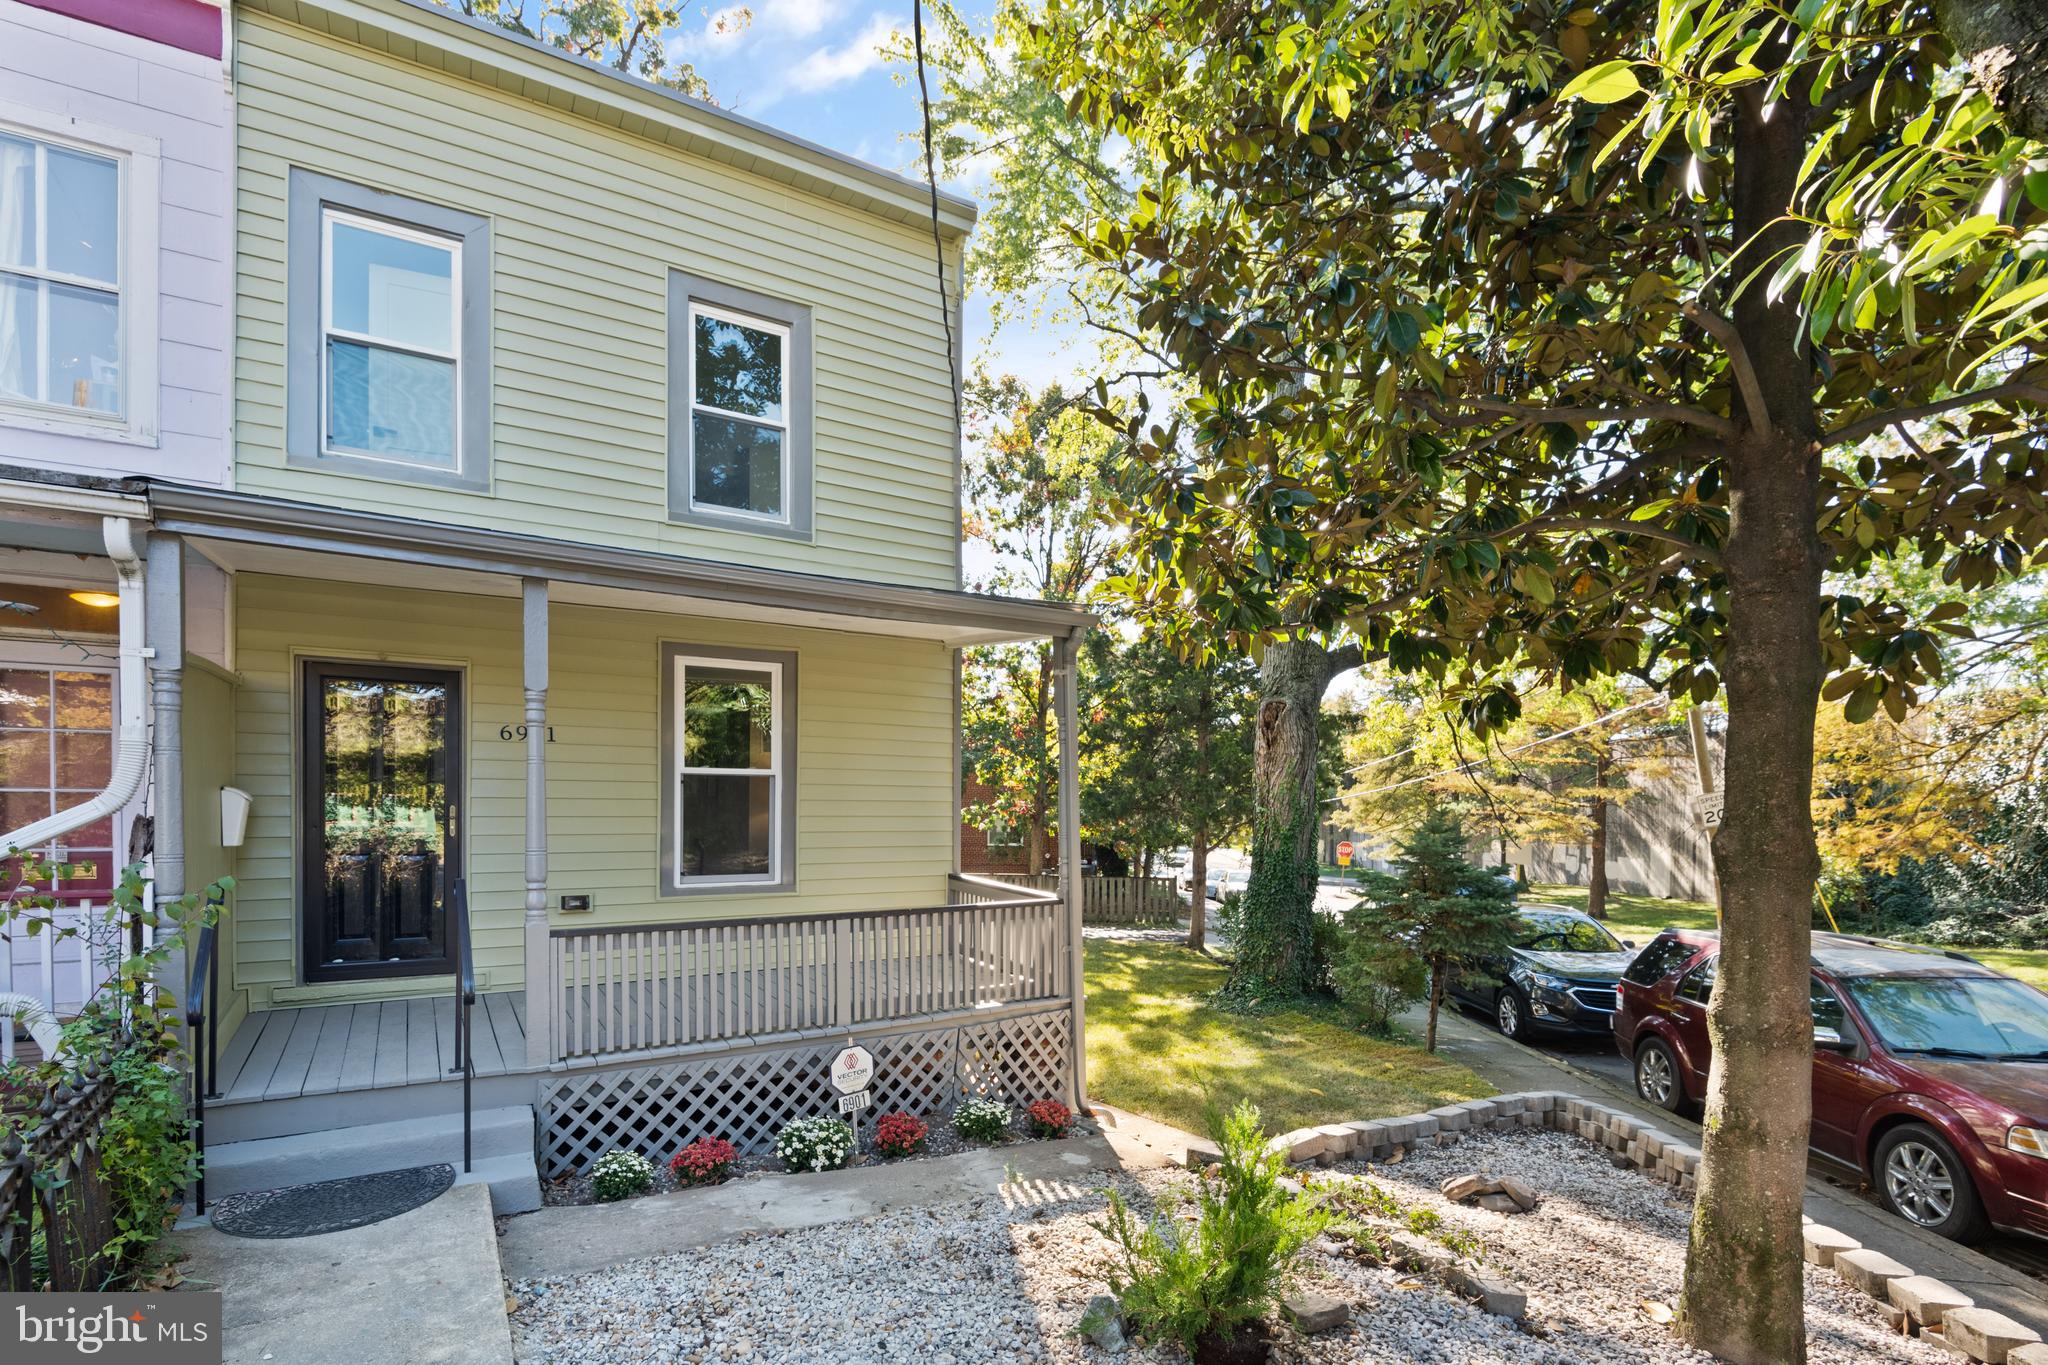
1198, 841
1742, 1294
1275, 955
2006, 44
1596, 880
1437, 969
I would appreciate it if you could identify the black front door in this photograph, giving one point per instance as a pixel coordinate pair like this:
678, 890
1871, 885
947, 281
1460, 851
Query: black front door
381, 797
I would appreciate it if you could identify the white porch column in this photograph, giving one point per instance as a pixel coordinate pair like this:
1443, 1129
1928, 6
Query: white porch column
1066, 655
542, 1001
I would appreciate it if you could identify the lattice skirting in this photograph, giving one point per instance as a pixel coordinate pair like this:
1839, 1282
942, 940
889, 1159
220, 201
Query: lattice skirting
746, 1098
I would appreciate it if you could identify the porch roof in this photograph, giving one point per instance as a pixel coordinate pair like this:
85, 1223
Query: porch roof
271, 535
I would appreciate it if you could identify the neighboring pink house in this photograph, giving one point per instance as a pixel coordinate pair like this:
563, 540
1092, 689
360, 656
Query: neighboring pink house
116, 179
116, 290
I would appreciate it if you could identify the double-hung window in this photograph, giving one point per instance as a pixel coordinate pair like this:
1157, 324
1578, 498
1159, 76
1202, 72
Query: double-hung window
730, 803
388, 364
739, 414
739, 409
77, 277
390, 341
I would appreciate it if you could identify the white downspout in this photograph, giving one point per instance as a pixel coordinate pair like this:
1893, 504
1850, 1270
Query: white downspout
131, 743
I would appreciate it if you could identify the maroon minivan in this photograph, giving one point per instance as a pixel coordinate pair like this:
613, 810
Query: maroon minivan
1930, 1070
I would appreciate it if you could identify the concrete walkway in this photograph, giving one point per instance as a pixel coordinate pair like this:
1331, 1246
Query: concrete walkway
1512, 1066
575, 1239
419, 1289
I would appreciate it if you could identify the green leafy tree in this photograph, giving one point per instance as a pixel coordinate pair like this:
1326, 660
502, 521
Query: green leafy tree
1169, 752
1532, 344
633, 36
1436, 905
1032, 483
1555, 775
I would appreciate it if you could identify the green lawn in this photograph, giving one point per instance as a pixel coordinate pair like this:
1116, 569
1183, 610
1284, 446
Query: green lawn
1640, 917
1158, 1047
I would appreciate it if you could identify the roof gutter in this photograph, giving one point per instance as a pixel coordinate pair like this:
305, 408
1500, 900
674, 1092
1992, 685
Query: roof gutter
131, 745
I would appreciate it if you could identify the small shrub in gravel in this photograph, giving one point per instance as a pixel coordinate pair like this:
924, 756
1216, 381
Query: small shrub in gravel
981, 1120
815, 1144
620, 1174
1049, 1118
704, 1162
900, 1134
1208, 1287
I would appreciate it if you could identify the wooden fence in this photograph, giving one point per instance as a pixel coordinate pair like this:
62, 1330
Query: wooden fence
1115, 900
50, 1182
677, 985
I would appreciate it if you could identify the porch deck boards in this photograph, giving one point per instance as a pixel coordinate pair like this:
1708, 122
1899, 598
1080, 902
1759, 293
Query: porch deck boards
326, 1049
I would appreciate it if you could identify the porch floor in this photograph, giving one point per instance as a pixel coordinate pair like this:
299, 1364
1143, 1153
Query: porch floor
324, 1049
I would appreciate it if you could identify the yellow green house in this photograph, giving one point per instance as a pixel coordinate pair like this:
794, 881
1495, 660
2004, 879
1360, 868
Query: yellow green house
590, 616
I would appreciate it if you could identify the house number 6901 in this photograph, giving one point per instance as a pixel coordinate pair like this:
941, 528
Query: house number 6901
519, 732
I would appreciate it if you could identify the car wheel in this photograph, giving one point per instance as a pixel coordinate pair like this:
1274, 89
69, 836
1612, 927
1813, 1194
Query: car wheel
1920, 1178
1511, 1013
1657, 1078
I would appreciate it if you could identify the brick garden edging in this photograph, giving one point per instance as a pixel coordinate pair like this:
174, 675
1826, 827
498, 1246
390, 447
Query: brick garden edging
1941, 1314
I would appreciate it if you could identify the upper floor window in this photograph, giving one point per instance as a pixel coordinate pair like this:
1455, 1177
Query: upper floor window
392, 341
389, 348
740, 409
77, 277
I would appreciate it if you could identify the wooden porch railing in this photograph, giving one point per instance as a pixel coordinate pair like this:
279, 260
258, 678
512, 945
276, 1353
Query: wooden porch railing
675, 985
1114, 900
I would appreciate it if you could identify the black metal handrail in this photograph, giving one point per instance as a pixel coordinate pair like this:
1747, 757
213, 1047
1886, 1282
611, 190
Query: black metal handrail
202, 1017
465, 996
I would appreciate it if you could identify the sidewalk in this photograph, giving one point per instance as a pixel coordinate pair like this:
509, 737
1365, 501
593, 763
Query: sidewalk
419, 1289
1511, 1066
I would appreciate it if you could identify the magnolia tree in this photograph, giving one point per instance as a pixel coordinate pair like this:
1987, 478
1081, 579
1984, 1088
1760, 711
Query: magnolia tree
1531, 343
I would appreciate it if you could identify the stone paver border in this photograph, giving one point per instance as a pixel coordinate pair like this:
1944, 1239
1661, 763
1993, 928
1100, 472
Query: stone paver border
1939, 1313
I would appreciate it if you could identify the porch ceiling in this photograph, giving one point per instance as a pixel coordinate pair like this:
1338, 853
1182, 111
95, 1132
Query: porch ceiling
261, 535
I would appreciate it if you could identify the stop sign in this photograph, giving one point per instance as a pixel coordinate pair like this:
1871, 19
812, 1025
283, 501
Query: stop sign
1344, 851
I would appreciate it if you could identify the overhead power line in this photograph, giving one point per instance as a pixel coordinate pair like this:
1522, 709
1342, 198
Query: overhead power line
1504, 753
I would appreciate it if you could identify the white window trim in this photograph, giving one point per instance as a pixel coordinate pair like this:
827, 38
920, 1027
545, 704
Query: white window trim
329, 216
778, 749
139, 159
781, 424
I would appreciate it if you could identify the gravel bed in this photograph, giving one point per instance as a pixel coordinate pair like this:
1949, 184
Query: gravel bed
941, 1140
1006, 1277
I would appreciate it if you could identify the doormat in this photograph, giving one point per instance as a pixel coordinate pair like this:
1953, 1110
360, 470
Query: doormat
331, 1205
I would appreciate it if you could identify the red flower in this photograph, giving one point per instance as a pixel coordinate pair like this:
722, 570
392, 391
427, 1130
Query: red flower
1049, 1118
900, 1134
704, 1162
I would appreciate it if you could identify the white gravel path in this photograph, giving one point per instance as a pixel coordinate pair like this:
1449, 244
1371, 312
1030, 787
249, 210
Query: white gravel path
1005, 1278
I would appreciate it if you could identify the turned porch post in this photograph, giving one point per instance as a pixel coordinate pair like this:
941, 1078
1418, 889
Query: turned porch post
1066, 656
543, 1002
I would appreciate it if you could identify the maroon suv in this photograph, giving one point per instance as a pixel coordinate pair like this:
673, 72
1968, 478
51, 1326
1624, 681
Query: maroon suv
1930, 1071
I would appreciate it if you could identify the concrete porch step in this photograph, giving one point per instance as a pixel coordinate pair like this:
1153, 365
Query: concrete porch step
502, 1147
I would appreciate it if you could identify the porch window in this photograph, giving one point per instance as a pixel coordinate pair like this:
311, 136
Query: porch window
729, 803
56, 751
740, 410
76, 352
388, 318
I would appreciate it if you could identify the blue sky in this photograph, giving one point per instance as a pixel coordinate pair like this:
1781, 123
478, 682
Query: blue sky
813, 68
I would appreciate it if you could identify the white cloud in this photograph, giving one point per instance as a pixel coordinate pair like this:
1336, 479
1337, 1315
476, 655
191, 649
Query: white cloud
798, 18
830, 66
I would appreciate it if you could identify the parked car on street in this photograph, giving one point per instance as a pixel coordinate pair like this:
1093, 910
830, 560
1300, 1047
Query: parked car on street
1559, 978
1930, 1071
